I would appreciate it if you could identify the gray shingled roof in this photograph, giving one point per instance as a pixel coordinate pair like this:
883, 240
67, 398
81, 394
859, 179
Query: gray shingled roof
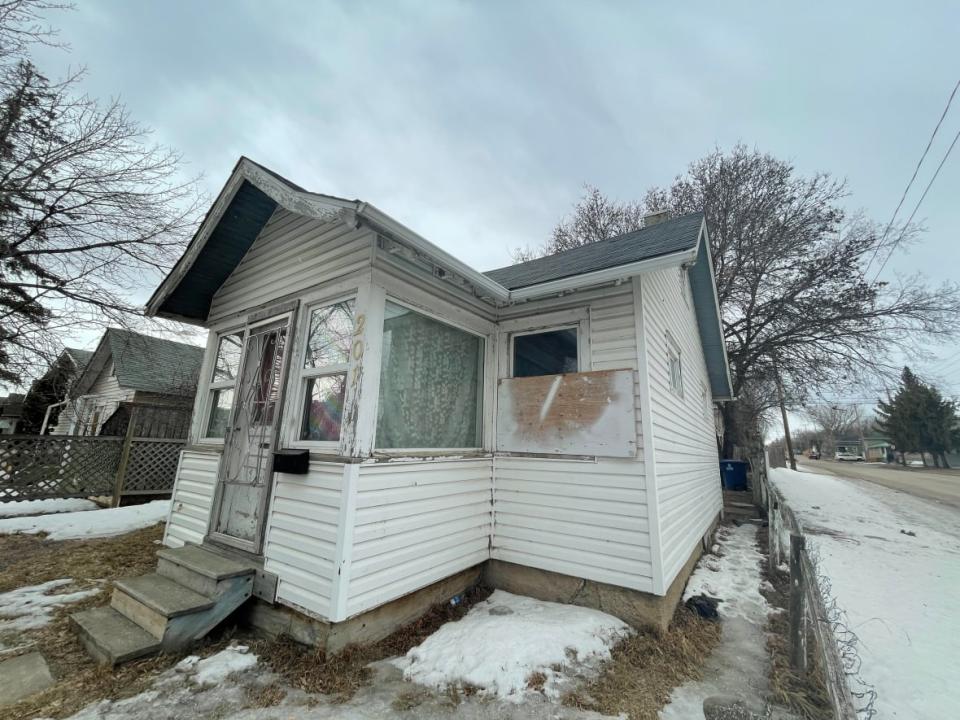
80, 357
142, 362
664, 238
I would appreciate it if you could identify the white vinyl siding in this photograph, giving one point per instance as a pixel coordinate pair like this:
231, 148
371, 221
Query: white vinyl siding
581, 518
192, 498
684, 436
292, 254
301, 536
103, 398
416, 523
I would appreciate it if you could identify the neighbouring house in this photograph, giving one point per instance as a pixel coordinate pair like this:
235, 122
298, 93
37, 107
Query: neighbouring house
47, 403
877, 449
128, 367
11, 411
379, 425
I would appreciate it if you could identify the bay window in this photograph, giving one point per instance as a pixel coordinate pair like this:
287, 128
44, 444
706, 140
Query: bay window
431, 377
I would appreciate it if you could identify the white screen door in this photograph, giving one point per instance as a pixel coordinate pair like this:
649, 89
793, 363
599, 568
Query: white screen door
245, 469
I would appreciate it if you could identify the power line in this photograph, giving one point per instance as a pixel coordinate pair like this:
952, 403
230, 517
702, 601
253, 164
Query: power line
893, 247
912, 178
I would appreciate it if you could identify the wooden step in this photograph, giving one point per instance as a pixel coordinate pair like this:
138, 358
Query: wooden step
112, 638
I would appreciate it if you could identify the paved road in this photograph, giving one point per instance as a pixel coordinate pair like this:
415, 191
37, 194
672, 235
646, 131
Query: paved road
940, 485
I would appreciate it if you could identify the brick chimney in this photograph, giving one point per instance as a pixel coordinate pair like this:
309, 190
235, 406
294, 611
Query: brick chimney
655, 217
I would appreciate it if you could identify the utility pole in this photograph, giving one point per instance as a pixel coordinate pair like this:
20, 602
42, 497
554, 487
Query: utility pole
786, 423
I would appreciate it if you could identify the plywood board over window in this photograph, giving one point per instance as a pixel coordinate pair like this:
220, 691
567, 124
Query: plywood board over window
589, 413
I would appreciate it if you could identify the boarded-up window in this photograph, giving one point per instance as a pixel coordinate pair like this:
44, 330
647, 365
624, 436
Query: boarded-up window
553, 352
430, 380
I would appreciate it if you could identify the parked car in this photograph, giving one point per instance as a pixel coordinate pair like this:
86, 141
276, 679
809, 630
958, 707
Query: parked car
814, 454
847, 456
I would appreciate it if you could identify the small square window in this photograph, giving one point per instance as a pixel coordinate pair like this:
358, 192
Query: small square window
323, 407
545, 353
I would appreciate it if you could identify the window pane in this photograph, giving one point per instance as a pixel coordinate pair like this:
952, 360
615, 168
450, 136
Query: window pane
546, 353
331, 332
221, 403
430, 378
323, 407
228, 357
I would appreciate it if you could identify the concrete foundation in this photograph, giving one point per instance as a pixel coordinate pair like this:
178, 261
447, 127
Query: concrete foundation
368, 627
639, 609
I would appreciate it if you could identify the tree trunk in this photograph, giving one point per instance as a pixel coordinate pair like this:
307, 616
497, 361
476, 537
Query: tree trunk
943, 459
729, 429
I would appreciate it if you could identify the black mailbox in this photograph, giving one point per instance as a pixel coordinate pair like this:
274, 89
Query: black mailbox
295, 462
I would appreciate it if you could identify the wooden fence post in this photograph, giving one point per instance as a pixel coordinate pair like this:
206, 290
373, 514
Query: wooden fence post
798, 589
124, 457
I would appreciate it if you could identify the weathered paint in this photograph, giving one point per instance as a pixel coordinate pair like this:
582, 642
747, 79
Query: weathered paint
192, 498
587, 413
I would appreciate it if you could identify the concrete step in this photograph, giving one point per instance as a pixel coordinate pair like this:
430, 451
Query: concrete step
153, 601
112, 638
200, 570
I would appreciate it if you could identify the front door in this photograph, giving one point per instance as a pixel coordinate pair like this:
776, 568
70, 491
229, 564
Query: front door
246, 467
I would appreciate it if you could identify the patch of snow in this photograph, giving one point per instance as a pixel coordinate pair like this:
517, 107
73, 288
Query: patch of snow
501, 641
45, 507
30, 607
740, 665
91, 523
898, 591
215, 669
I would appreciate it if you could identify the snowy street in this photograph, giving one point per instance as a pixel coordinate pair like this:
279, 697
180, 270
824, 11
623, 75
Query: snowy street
893, 561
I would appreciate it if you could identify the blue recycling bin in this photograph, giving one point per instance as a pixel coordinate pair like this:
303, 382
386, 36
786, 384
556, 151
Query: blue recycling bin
734, 474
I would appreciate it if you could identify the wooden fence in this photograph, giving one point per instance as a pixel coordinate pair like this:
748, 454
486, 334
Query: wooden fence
34, 467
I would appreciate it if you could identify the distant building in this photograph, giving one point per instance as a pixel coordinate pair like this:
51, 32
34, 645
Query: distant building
11, 409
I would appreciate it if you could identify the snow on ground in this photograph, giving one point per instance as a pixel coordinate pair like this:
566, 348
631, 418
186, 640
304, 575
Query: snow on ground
740, 665
899, 590
501, 641
45, 507
89, 524
223, 684
30, 607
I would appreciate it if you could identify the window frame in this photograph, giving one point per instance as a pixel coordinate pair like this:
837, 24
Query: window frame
575, 326
211, 385
301, 375
674, 352
482, 399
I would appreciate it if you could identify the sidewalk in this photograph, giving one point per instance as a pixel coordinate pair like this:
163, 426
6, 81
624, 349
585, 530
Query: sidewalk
893, 565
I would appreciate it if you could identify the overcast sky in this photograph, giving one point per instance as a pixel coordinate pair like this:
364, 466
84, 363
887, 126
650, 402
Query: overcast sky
477, 124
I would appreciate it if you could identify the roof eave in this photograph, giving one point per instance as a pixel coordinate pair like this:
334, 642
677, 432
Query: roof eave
600, 277
285, 195
481, 282
705, 239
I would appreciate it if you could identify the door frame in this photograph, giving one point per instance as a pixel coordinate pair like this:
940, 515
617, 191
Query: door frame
288, 312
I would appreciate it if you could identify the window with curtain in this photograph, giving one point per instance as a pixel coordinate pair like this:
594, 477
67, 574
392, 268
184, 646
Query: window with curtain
225, 368
323, 374
431, 376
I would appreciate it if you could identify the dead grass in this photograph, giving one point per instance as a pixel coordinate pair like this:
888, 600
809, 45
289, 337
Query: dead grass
537, 681
409, 699
340, 675
804, 695
645, 668
30, 560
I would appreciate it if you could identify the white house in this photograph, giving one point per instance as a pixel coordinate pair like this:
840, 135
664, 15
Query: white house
549, 424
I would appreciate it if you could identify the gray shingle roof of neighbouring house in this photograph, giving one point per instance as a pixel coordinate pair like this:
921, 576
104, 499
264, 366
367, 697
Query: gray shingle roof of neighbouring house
80, 357
146, 363
664, 238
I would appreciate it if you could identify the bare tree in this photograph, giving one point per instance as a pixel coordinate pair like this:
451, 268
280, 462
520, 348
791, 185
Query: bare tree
834, 421
790, 265
90, 209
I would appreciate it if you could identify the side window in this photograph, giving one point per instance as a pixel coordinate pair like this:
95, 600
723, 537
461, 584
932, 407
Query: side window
674, 365
222, 382
323, 373
550, 352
